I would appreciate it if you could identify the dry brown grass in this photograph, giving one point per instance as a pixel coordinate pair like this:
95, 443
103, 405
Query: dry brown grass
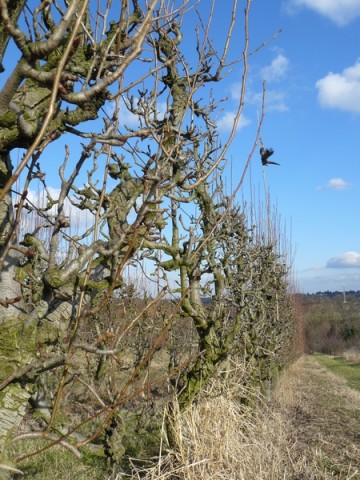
221, 438
306, 432
352, 355
324, 414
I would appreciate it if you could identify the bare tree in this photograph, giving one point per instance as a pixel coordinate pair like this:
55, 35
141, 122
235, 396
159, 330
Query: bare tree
148, 176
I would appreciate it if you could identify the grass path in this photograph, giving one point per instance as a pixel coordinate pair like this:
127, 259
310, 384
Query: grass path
325, 415
350, 371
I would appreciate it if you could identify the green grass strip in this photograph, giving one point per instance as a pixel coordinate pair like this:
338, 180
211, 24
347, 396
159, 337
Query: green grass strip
341, 367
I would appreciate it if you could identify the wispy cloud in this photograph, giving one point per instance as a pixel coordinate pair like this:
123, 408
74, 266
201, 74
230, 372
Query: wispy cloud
226, 122
235, 90
277, 69
340, 12
337, 184
345, 260
329, 279
275, 100
341, 90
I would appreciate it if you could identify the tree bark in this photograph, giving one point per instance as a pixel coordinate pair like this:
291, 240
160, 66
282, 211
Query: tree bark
10, 293
14, 348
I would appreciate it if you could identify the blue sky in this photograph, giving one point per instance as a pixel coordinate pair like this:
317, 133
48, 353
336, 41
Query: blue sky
312, 121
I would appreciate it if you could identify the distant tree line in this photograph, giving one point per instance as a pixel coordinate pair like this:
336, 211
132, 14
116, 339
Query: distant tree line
334, 293
331, 321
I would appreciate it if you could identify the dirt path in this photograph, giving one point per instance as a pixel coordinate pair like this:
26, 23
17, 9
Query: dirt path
325, 415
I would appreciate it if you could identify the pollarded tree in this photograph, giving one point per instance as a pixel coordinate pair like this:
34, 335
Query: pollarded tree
74, 60
145, 175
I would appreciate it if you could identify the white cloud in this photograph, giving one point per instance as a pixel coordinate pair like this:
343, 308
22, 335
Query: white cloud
340, 12
341, 90
275, 100
345, 260
226, 122
338, 184
276, 70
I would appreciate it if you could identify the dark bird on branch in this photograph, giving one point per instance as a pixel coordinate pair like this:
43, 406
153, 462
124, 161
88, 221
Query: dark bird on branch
265, 154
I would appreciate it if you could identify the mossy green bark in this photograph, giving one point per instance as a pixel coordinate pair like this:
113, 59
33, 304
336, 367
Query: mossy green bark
16, 351
13, 401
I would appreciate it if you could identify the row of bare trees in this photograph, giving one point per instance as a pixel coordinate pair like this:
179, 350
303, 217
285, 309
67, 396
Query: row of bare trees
121, 82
